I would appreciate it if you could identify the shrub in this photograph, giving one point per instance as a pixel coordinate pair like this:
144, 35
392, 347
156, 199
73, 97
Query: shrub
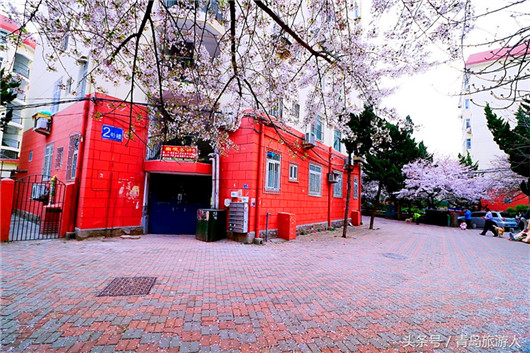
521, 208
511, 211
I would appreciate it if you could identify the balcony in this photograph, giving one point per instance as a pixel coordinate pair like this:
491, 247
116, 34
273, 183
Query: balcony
21, 66
212, 9
10, 141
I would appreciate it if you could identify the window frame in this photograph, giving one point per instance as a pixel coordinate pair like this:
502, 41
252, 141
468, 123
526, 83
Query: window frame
47, 161
318, 174
271, 162
73, 156
468, 144
337, 137
318, 126
355, 187
337, 187
59, 153
293, 166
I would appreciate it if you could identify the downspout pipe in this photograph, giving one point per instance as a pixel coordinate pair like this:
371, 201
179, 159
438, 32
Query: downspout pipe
214, 157
81, 155
330, 187
258, 181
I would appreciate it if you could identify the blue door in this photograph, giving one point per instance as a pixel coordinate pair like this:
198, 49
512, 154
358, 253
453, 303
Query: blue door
174, 201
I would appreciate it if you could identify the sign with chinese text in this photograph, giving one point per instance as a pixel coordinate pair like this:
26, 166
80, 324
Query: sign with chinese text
112, 133
180, 152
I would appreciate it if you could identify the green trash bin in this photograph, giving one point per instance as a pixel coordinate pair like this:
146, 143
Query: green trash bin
211, 224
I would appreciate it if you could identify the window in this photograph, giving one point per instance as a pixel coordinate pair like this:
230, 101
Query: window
315, 180
181, 53
468, 144
59, 157
355, 187
73, 151
336, 140
272, 178
277, 109
468, 123
56, 98
30, 157
293, 172
466, 103
337, 187
316, 128
82, 79
296, 110
47, 166
1, 59
69, 85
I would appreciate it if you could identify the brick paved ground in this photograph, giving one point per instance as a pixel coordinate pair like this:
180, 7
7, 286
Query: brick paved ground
386, 290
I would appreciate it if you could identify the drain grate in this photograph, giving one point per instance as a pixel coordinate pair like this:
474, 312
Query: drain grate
394, 256
125, 286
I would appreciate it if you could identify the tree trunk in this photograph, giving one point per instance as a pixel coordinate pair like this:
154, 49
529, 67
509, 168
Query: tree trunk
348, 193
376, 205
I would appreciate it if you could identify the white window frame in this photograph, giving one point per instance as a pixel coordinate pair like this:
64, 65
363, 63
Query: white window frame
355, 187
315, 180
272, 171
337, 187
293, 172
48, 160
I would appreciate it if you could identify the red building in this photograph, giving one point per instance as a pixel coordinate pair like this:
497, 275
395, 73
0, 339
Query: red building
120, 187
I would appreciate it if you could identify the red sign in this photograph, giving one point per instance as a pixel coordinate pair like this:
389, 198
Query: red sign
179, 152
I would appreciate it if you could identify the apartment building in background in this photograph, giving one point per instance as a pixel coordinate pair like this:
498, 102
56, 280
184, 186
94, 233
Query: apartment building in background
483, 72
16, 60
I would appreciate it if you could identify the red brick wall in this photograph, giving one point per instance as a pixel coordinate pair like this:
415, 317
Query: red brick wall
112, 177
239, 168
112, 181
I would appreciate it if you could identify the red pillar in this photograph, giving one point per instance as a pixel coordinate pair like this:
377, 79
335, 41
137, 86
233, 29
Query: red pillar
67, 221
7, 190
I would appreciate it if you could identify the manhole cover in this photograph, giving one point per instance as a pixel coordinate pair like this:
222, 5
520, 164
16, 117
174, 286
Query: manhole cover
394, 256
124, 286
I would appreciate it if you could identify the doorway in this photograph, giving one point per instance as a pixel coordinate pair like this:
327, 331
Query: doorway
174, 201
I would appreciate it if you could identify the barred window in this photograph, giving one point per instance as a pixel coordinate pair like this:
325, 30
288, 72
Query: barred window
59, 157
73, 151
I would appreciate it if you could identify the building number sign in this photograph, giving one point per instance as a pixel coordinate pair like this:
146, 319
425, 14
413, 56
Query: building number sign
112, 133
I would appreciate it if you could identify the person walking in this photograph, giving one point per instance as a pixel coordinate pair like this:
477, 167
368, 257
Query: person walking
488, 225
467, 218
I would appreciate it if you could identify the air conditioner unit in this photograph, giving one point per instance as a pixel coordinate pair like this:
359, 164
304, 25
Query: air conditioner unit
39, 191
309, 140
333, 177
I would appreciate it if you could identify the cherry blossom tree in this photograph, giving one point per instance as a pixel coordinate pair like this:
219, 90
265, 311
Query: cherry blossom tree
445, 179
260, 52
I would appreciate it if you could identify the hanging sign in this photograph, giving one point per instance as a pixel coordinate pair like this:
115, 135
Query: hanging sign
180, 152
113, 133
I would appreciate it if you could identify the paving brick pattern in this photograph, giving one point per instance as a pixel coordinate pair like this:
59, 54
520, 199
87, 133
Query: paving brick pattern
400, 288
